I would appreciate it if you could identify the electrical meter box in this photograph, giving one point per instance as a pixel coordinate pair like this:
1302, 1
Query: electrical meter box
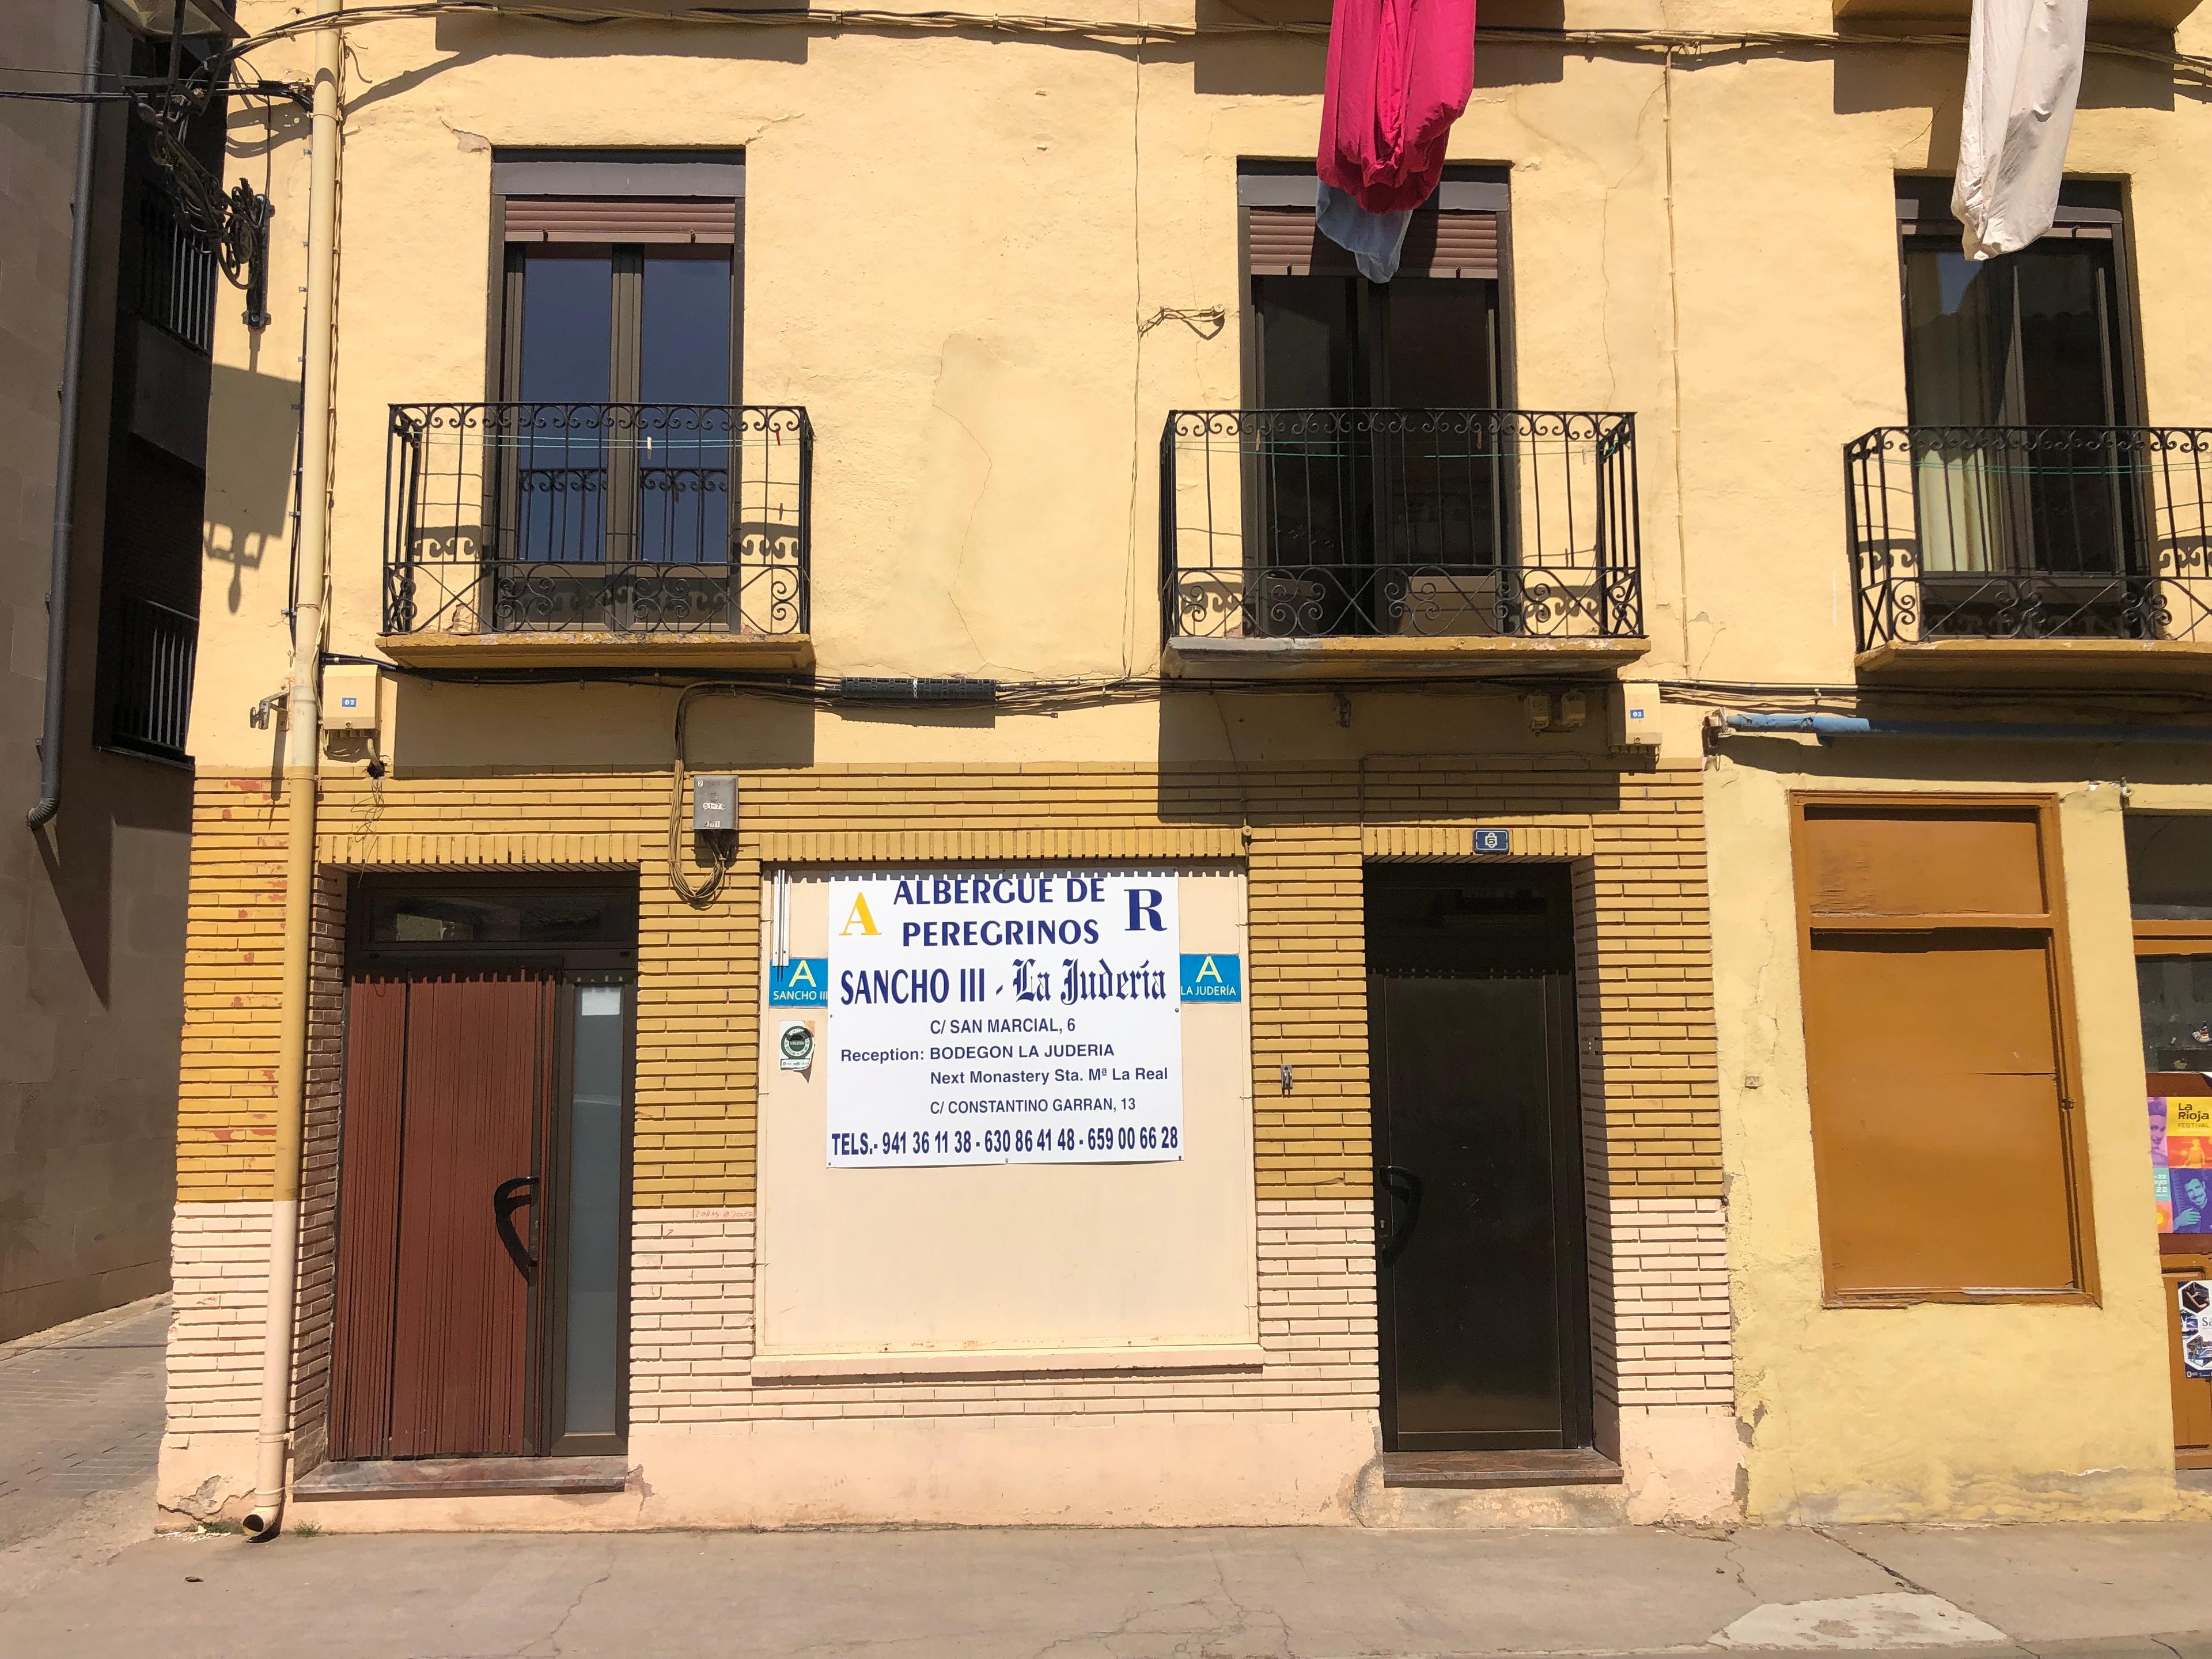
350, 698
714, 804
1635, 715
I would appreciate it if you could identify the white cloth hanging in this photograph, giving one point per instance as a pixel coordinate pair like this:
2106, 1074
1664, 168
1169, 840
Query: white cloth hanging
2023, 74
1374, 241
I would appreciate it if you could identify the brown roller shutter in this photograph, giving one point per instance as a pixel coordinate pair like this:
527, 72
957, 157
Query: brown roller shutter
1451, 245
1284, 243
621, 219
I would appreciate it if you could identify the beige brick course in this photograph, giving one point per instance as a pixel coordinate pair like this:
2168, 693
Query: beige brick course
691, 1334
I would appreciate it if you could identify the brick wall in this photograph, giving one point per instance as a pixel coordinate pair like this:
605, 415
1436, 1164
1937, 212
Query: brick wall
219, 1266
1634, 839
691, 1334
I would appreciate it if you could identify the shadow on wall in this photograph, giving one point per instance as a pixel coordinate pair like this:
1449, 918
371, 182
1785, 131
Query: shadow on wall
616, 728
1934, 80
249, 497
1289, 66
1371, 756
473, 39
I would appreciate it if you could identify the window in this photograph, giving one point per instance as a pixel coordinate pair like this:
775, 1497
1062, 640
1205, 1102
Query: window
1948, 1152
1370, 474
2022, 366
618, 360
2170, 893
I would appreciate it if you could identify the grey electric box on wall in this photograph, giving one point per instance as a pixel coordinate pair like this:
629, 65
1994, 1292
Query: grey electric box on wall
714, 804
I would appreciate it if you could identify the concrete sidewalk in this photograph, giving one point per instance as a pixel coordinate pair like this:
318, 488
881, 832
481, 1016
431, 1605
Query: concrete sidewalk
1073, 1595
80, 1423
80, 1432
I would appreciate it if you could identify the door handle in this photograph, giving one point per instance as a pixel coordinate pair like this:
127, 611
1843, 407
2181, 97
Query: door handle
1394, 1228
505, 1199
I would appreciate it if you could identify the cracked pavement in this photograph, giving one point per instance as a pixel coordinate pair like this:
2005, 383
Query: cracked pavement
2141, 1591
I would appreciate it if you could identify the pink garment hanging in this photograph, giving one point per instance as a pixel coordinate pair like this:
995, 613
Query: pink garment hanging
1399, 75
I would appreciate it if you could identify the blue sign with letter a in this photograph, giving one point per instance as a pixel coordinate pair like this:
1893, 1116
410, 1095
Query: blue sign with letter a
801, 982
1212, 978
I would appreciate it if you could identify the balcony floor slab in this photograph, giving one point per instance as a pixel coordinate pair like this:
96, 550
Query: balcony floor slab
2042, 664
1397, 657
763, 654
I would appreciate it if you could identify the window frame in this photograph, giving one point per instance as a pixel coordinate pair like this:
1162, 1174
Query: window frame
1465, 187
715, 174
1923, 203
2051, 924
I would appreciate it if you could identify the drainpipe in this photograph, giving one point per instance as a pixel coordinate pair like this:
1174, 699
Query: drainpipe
302, 739
57, 577
1825, 727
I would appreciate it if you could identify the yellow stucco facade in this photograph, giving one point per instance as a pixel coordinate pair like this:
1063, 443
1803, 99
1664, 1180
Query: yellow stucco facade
983, 262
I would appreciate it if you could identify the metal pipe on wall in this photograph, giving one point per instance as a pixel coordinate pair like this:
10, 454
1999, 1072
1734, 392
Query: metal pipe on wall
302, 746
57, 577
1729, 723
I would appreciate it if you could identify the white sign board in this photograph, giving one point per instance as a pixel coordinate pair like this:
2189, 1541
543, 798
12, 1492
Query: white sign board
1003, 1017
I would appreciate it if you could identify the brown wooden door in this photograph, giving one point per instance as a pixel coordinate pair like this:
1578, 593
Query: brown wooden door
448, 1087
1481, 1291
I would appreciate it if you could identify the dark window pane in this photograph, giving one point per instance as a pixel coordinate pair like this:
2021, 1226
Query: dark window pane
2177, 1012
560, 478
2027, 339
1308, 481
1306, 334
1438, 480
568, 327
1957, 315
2170, 865
683, 469
2080, 498
2065, 371
1438, 356
684, 355
542, 917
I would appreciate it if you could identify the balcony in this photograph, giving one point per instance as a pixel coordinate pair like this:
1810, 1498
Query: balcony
2032, 555
647, 535
1398, 543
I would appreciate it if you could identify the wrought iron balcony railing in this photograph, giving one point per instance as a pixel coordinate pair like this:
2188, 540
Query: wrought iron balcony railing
2027, 532
150, 696
619, 518
1317, 523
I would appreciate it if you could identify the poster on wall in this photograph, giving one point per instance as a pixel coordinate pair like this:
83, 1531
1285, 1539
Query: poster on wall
2195, 1298
1003, 1017
2189, 1132
2161, 1183
2181, 1161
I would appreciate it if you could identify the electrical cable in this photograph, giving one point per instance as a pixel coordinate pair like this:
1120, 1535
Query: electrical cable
1687, 44
717, 845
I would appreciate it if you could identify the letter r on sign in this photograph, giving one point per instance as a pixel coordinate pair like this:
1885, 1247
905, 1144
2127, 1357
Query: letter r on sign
1145, 910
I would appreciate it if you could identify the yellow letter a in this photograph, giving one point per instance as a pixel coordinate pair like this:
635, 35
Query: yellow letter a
859, 918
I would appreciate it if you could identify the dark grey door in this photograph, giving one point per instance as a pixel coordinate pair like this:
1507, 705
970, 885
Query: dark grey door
1481, 1281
